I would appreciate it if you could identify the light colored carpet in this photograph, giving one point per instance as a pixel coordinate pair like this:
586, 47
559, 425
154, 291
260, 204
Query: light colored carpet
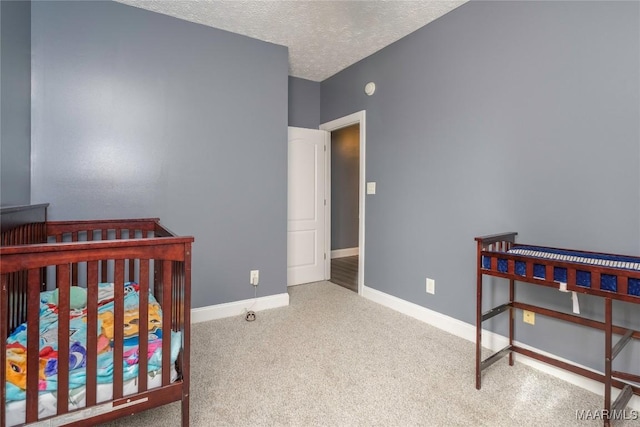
333, 358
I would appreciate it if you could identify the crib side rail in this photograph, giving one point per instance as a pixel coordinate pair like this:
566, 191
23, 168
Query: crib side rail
61, 231
102, 230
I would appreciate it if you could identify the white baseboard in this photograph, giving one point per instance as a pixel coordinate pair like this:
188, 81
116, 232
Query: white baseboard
439, 320
341, 253
238, 308
489, 340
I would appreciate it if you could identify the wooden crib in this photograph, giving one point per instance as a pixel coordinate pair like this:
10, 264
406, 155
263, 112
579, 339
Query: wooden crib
37, 256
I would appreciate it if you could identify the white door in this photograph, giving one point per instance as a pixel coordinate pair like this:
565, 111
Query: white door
306, 255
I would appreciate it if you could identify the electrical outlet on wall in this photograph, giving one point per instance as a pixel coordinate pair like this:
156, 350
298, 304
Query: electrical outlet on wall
529, 317
431, 286
255, 277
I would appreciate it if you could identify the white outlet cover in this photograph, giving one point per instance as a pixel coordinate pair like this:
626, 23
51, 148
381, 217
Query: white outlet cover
371, 188
431, 286
254, 278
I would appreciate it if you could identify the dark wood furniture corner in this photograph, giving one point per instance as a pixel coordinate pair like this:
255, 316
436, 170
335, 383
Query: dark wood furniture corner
494, 249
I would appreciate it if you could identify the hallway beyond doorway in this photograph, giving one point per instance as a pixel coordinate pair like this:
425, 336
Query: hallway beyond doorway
344, 272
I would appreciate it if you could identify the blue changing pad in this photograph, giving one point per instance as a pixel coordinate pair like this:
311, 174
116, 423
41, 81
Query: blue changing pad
609, 282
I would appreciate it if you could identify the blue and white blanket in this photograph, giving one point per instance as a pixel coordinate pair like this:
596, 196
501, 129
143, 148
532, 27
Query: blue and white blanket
17, 342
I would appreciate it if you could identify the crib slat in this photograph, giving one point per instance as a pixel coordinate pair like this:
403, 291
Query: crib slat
166, 321
16, 299
43, 279
175, 309
143, 332
157, 280
103, 264
132, 262
178, 295
18, 292
118, 325
23, 285
74, 267
92, 331
4, 284
11, 314
62, 277
74, 274
33, 338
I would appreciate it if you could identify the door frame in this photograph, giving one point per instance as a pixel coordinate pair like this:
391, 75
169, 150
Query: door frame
342, 122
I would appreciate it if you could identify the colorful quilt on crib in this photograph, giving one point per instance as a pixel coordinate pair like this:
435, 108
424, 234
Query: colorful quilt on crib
16, 364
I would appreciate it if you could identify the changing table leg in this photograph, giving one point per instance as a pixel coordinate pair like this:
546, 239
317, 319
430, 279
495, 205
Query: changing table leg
479, 330
608, 336
512, 312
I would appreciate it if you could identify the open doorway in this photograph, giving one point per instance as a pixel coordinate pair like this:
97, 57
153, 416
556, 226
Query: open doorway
348, 133
345, 185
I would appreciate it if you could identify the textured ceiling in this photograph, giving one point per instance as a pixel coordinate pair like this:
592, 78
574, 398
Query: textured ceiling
323, 37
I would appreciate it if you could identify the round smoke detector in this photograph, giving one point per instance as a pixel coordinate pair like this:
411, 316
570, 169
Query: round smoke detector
370, 88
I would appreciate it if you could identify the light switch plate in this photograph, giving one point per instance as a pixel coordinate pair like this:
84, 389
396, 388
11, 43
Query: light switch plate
431, 286
371, 188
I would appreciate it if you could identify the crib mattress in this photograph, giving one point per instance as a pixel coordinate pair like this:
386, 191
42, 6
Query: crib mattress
583, 277
47, 402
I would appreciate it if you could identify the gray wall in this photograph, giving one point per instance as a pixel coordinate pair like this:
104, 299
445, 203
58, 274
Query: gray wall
501, 116
304, 103
138, 114
15, 110
345, 183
